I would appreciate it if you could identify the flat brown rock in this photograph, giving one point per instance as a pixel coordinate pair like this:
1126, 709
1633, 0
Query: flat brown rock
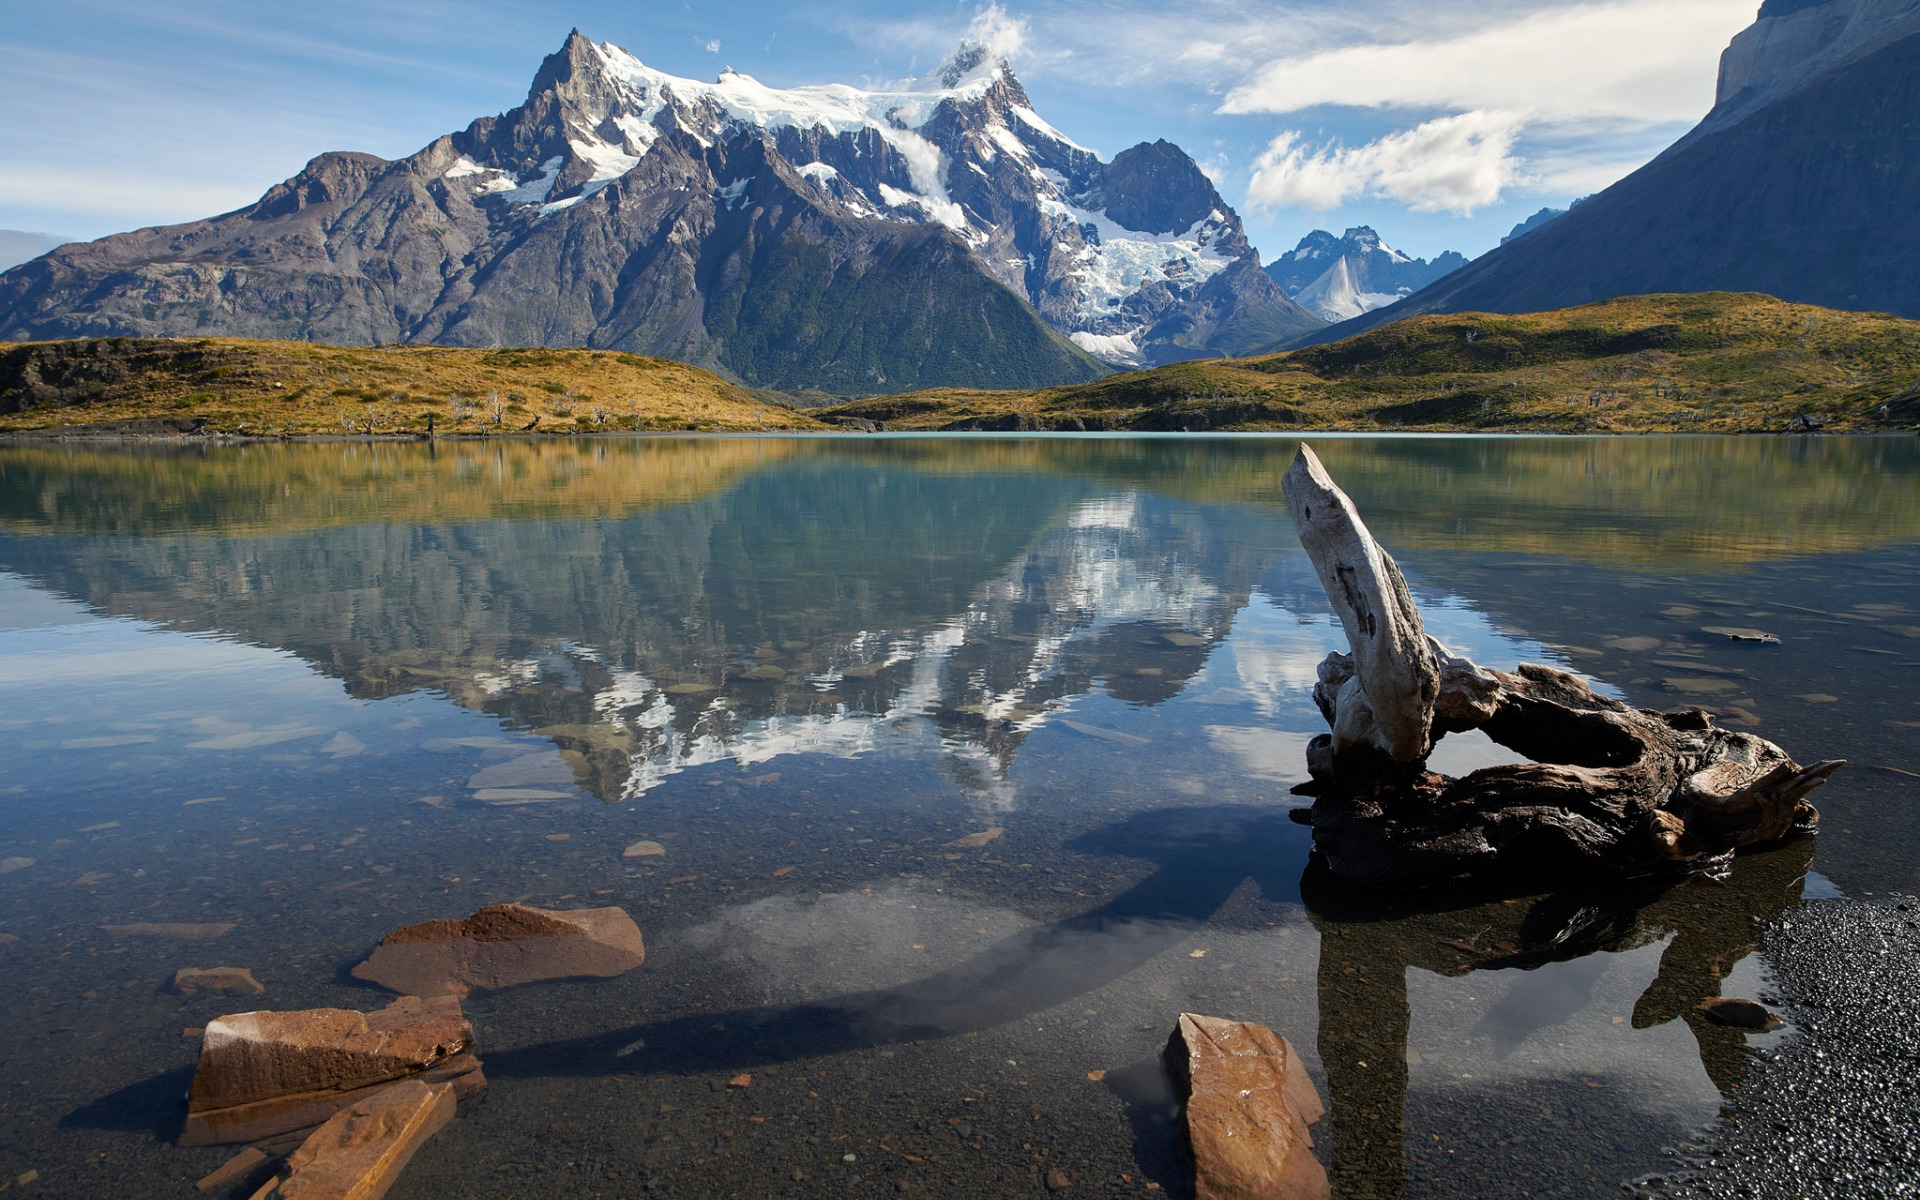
1247, 1103
279, 1124
361, 1150
190, 981
503, 946
266, 1073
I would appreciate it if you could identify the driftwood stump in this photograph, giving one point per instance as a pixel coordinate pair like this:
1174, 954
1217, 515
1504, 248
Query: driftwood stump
1613, 792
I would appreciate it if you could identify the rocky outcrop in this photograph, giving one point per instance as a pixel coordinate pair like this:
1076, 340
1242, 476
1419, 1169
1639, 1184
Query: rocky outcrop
819, 238
361, 1150
1246, 1103
262, 1074
1799, 184
503, 946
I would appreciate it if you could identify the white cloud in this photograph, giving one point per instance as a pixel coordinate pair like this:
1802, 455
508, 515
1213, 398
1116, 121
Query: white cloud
1275, 755
1576, 174
1003, 34
1559, 97
1634, 60
1452, 164
710, 45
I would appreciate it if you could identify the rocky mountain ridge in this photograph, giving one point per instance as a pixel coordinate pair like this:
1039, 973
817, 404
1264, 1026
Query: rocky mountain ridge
830, 238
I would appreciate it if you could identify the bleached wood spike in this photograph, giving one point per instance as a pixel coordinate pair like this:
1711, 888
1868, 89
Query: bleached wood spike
1393, 659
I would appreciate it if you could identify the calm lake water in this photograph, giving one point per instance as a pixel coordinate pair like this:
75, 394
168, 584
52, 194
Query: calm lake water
323, 691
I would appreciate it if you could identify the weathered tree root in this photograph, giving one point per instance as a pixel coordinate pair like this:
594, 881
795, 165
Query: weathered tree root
1613, 792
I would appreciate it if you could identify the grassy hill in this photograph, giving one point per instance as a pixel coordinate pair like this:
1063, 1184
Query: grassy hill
260, 387
1708, 363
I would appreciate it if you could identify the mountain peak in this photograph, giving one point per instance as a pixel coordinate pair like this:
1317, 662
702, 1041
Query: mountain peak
1341, 278
1792, 41
577, 58
588, 214
1157, 188
969, 61
1786, 8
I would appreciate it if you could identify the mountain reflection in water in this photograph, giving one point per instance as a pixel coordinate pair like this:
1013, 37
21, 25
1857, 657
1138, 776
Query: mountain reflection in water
1104, 645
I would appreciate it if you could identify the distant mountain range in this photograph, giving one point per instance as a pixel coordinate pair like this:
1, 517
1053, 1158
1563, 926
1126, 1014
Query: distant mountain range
830, 238
1338, 278
1541, 218
1801, 183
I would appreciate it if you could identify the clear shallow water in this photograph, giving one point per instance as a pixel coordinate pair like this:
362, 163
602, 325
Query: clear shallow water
324, 691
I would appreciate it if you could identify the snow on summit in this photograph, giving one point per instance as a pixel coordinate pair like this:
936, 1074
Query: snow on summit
1104, 253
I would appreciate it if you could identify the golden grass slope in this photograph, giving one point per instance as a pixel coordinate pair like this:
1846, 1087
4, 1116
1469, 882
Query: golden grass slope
1708, 363
278, 388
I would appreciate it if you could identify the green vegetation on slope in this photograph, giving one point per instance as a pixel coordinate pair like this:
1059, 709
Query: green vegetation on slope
236, 385
1709, 363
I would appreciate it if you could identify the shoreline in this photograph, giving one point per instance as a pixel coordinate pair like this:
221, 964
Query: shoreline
115, 433
1826, 1111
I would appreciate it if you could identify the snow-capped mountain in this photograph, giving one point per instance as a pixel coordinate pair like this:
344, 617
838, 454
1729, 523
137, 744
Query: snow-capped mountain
833, 237
1338, 278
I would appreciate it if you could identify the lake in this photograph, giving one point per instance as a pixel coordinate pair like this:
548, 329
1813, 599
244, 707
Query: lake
322, 691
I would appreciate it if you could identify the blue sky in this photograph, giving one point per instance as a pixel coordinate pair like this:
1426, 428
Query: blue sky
1441, 123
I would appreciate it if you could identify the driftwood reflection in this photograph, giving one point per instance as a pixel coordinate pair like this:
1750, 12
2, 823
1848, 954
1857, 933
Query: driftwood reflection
1369, 939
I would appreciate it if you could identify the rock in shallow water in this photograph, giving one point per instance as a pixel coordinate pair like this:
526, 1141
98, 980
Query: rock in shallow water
503, 946
266, 1073
1247, 1103
1742, 1014
361, 1150
190, 981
